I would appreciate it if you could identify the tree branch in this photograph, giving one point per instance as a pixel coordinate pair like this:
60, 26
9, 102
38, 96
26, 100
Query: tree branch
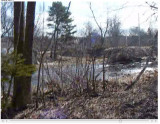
95, 18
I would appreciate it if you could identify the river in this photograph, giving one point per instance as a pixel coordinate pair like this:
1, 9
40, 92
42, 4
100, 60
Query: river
112, 71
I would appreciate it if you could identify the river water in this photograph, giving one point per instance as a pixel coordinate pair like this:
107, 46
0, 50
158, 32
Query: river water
112, 71
69, 72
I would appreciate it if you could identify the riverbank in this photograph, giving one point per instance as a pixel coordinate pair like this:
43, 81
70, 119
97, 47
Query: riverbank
139, 102
128, 54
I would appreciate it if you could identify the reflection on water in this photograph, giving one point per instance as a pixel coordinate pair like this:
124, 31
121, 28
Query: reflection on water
112, 71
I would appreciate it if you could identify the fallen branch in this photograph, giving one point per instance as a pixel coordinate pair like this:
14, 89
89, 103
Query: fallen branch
142, 71
139, 75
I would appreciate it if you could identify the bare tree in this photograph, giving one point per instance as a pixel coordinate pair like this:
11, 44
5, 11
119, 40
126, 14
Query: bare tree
88, 33
114, 30
103, 33
6, 21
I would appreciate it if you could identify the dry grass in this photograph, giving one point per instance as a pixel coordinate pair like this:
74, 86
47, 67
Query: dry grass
138, 103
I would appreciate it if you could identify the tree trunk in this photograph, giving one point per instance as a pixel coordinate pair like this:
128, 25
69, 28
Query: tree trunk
18, 101
3, 88
43, 95
93, 81
17, 13
54, 39
103, 74
29, 31
9, 88
38, 88
55, 46
55, 50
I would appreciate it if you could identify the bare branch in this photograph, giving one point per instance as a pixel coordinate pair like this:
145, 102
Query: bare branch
152, 6
95, 18
123, 6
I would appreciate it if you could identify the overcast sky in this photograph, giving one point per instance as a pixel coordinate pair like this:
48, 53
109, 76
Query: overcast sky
103, 9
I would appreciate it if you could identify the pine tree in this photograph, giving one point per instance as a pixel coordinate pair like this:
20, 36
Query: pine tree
60, 21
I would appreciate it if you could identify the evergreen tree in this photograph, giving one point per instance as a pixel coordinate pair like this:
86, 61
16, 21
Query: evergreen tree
60, 21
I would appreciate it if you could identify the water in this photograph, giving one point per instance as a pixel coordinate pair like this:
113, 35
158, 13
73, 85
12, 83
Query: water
53, 76
112, 71
119, 70
69, 72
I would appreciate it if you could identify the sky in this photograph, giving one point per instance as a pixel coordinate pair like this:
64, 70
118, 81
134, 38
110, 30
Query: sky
126, 10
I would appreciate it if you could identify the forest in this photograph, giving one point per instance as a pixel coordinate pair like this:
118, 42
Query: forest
52, 69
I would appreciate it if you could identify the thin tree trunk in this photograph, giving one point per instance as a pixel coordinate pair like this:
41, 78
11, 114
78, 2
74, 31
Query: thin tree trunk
9, 88
51, 55
3, 88
39, 70
87, 75
54, 39
93, 81
55, 50
53, 36
61, 66
43, 84
103, 73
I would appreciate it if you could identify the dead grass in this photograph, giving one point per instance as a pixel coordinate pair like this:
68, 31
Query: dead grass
138, 103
